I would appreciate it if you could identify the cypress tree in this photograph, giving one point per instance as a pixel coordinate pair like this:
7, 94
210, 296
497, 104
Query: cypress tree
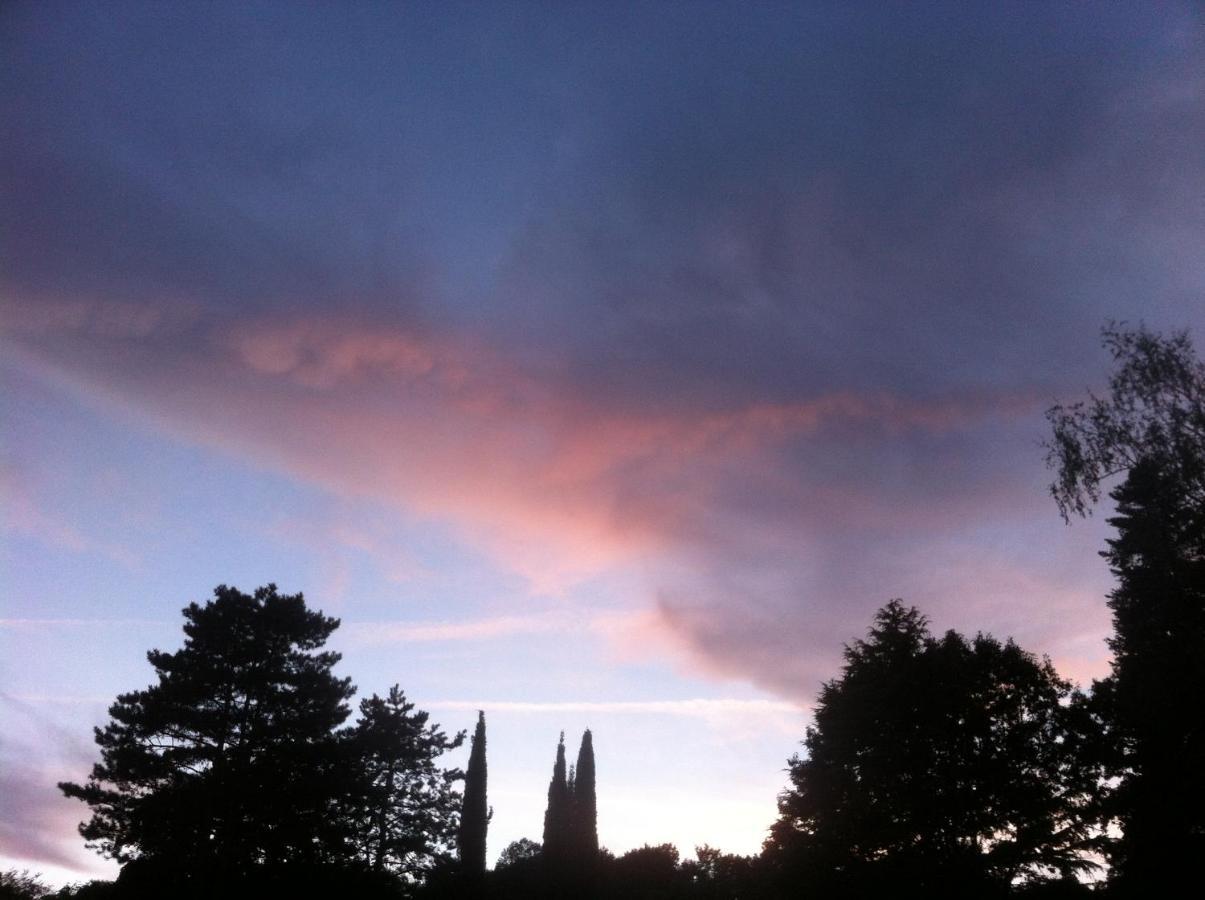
475, 815
585, 804
556, 817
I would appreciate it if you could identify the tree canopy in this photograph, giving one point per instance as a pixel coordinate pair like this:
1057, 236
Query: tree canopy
403, 812
1154, 412
938, 761
229, 761
232, 766
1150, 433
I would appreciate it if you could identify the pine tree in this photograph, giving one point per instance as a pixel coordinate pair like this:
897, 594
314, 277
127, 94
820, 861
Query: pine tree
475, 814
585, 804
1153, 697
403, 814
230, 762
556, 817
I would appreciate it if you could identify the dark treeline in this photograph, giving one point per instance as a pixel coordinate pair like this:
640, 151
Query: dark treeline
937, 765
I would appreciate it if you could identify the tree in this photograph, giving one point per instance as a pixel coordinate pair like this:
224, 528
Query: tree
584, 820
404, 812
716, 875
21, 885
944, 764
519, 852
556, 816
229, 762
1151, 430
475, 814
648, 872
1155, 412
1152, 699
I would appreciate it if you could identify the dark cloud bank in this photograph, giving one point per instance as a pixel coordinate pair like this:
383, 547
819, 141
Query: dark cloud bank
780, 291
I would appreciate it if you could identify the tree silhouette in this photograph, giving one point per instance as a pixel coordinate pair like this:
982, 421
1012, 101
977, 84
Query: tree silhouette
943, 764
1150, 429
1155, 412
229, 762
475, 813
228, 777
584, 821
515, 853
556, 816
21, 885
1153, 699
404, 814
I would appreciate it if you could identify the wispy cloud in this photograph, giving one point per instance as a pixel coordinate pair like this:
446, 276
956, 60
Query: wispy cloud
734, 719
474, 630
706, 708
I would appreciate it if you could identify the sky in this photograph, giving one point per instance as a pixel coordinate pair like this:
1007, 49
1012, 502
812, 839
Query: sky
597, 364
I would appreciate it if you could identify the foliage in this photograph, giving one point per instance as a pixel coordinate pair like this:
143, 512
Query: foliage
229, 761
583, 823
1155, 411
404, 813
475, 813
648, 871
230, 774
518, 852
90, 890
937, 761
557, 814
715, 875
1151, 429
1158, 648
21, 885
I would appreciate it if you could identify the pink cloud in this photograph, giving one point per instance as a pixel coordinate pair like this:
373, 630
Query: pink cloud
555, 484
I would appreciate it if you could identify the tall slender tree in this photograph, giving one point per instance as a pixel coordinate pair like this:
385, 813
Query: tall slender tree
585, 804
475, 813
556, 816
1152, 699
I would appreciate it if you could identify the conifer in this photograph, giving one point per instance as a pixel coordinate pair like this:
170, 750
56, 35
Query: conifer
556, 817
585, 803
475, 814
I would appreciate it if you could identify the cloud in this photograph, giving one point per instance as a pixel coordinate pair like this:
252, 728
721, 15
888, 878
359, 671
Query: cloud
37, 823
762, 311
730, 716
473, 630
34, 818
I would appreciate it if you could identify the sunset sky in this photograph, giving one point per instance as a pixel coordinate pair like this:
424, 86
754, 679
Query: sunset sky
599, 365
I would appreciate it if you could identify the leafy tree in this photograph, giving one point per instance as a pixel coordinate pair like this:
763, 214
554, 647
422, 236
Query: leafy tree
648, 872
21, 885
519, 873
475, 814
944, 764
518, 852
1155, 412
716, 875
229, 762
404, 813
1151, 430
